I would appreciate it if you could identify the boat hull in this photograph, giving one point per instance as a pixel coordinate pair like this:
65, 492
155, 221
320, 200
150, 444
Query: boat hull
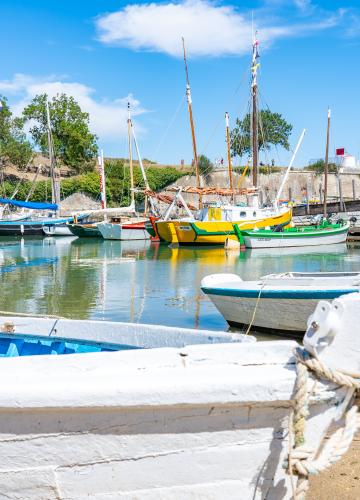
124, 232
85, 230
282, 240
273, 304
217, 232
201, 422
58, 230
28, 227
166, 231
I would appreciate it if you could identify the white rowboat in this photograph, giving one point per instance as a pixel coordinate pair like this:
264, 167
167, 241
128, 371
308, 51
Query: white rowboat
277, 302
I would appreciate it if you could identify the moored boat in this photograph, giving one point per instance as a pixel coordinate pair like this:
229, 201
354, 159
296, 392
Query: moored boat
124, 228
276, 303
217, 224
197, 421
85, 230
323, 234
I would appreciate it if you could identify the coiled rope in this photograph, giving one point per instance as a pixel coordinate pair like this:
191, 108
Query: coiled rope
302, 460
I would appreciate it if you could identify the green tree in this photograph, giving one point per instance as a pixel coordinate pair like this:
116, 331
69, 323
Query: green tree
15, 149
74, 144
274, 130
205, 165
319, 167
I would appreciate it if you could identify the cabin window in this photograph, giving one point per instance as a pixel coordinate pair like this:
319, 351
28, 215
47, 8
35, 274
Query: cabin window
242, 214
254, 214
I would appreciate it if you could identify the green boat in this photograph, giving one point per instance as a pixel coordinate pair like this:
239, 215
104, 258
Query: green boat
89, 230
323, 234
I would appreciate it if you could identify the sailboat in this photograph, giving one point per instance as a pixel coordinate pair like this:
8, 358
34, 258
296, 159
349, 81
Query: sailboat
128, 224
214, 223
33, 225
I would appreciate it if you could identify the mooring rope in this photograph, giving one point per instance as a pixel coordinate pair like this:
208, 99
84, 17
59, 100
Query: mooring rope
302, 460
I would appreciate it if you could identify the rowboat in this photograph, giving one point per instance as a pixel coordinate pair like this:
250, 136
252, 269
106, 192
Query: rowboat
124, 228
199, 421
85, 230
57, 230
324, 234
276, 303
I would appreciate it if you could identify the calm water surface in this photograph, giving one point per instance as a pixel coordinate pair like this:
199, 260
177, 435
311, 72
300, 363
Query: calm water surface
138, 281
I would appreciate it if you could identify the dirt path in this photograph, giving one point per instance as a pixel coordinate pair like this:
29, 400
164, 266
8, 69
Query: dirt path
340, 482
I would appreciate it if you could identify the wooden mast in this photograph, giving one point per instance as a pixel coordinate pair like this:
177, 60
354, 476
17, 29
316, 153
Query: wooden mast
254, 118
326, 166
55, 180
132, 193
188, 96
229, 152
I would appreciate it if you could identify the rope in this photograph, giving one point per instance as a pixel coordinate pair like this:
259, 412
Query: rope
302, 460
255, 309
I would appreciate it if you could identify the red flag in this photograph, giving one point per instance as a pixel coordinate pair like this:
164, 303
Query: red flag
340, 152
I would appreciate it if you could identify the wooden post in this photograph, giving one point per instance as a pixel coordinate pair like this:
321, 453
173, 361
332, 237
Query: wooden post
342, 204
321, 193
353, 189
290, 194
227, 125
326, 163
308, 195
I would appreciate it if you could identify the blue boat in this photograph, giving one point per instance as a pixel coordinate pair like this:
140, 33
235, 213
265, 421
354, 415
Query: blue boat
31, 336
30, 345
30, 226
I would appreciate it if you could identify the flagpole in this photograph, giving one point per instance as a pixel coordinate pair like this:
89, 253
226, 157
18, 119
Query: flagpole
326, 163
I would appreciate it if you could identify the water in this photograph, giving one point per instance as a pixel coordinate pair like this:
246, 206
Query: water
139, 281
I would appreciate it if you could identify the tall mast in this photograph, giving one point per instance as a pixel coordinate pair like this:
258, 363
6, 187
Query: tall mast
55, 180
254, 92
132, 193
188, 96
326, 162
227, 126
143, 172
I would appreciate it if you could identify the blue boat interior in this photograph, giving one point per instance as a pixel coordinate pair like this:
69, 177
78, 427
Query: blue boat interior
12, 345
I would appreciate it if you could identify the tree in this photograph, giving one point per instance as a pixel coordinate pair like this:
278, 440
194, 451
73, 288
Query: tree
205, 165
319, 167
14, 147
273, 130
74, 144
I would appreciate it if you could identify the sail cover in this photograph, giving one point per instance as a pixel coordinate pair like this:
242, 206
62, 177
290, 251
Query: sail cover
35, 205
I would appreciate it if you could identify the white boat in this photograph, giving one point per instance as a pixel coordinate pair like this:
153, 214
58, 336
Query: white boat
124, 229
203, 421
276, 302
57, 230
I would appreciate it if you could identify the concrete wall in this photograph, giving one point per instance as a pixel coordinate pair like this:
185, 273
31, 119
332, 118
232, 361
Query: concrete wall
298, 181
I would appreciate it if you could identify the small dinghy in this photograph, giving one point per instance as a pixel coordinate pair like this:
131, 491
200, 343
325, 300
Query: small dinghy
299, 236
233, 420
276, 303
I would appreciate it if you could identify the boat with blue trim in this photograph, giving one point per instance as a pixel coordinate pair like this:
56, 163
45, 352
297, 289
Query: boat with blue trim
276, 303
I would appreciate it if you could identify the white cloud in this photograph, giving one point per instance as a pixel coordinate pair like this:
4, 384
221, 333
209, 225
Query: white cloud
208, 28
107, 117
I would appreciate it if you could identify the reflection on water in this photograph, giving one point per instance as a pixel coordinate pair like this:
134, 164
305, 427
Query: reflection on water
138, 281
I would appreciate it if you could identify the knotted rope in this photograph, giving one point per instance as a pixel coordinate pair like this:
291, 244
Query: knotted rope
302, 460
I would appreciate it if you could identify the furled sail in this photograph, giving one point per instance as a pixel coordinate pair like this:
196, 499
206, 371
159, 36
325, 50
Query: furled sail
35, 205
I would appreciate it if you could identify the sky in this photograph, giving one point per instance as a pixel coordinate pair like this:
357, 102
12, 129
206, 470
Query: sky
106, 53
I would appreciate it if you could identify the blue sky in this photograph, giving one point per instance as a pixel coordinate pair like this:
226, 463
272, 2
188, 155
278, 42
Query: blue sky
106, 52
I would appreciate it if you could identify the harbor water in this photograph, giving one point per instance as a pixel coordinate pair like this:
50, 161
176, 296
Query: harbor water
139, 281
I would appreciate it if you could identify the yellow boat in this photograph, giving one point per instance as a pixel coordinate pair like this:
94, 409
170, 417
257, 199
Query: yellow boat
217, 224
